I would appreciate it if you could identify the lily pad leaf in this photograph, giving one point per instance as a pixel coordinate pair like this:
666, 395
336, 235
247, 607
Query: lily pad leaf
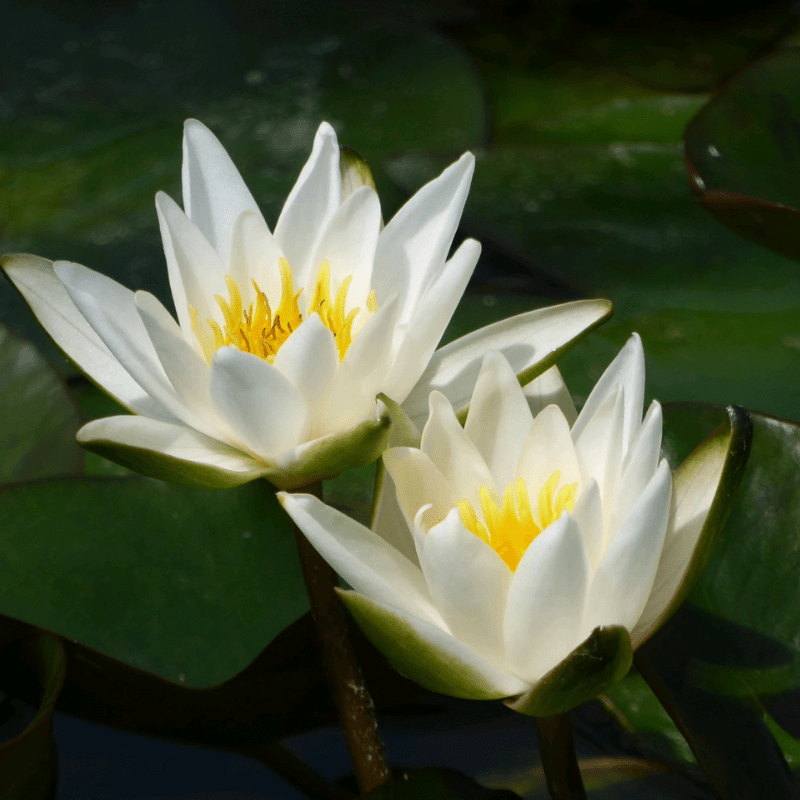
32, 669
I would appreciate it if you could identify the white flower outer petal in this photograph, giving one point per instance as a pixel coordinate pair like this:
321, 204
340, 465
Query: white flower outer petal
499, 418
588, 513
468, 582
259, 403
428, 655
36, 280
546, 600
362, 558
547, 390
525, 340
413, 247
623, 581
627, 371
311, 203
214, 194
453, 452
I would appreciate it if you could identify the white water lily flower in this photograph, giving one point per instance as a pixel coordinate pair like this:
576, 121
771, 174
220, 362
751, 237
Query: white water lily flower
524, 532
283, 338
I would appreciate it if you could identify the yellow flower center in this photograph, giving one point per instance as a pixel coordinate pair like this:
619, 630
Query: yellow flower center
258, 331
510, 528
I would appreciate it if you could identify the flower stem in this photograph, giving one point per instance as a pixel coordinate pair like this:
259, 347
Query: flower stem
558, 758
356, 712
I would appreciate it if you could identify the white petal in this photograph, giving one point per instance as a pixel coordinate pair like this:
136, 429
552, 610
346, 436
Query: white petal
255, 255
429, 319
195, 270
309, 359
214, 194
418, 483
548, 447
111, 310
525, 340
453, 452
695, 486
348, 245
546, 599
360, 376
499, 419
413, 247
389, 522
310, 205
622, 583
259, 403
547, 390
186, 369
640, 464
599, 447
468, 582
192, 450
44, 292
626, 370
588, 513
362, 558
434, 658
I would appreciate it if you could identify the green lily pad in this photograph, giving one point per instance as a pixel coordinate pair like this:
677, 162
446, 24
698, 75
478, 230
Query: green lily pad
743, 153
188, 585
437, 784
32, 668
38, 416
729, 660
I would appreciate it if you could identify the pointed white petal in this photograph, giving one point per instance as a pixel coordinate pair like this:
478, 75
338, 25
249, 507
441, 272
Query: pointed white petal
309, 359
37, 282
428, 655
170, 452
362, 558
310, 205
255, 255
695, 486
388, 520
588, 513
258, 403
527, 341
195, 270
416, 241
348, 245
499, 419
418, 483
546, 599
547, 390
429, 319
453, 452
622, 583
111, 311
214, 194
468, 583
548, 447
626, 370
639, 465
599, 446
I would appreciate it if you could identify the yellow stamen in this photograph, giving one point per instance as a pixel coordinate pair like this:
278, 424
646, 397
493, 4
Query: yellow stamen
255, 330
510, 528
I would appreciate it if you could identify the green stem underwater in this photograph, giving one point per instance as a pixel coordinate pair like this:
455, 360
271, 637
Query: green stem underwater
559, 761
350, 694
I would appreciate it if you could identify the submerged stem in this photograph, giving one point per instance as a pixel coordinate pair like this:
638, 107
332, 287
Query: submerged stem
356, 712
559, 761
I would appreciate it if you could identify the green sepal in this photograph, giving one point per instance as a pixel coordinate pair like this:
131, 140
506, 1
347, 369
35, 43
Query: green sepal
411, 655
329, 456
588, 671
163, 467
354, 170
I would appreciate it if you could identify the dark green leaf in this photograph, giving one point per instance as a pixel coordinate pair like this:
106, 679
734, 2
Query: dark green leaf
438, 784
38, 417
186, 584
31, 670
